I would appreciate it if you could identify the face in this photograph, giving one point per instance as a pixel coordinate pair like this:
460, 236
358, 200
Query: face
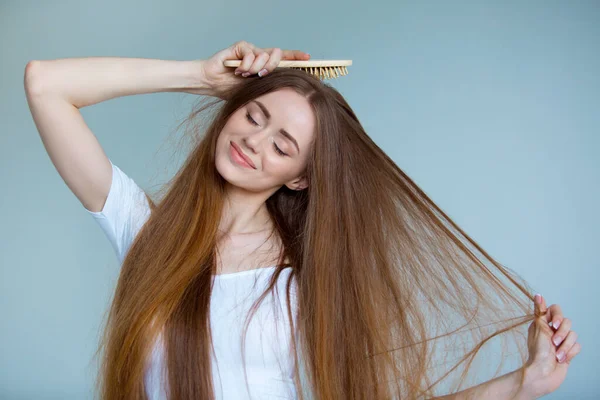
274, 132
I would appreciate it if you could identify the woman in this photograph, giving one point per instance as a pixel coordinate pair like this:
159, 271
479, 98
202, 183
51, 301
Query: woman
287, 228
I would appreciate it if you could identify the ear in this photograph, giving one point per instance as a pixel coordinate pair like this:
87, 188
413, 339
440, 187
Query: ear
298, 183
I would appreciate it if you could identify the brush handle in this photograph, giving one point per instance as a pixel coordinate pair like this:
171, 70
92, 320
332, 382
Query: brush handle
298, 64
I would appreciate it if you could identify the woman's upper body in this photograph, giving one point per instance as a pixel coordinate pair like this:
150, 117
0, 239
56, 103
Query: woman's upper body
371, 252
119, 205
268, 360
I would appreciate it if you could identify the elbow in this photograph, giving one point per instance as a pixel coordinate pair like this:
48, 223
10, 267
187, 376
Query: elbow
31, 77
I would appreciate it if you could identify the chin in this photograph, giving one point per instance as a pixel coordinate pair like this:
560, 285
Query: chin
225, 169
231, 173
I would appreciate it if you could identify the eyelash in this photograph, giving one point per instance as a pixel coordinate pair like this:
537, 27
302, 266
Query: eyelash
253, 122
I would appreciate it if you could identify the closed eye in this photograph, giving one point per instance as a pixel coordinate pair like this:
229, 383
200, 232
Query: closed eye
249, 118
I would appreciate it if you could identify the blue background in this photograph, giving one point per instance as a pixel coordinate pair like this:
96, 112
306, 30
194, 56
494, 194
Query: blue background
493, 108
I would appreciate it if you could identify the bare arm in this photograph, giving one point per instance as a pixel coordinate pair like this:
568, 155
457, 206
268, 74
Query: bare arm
57, 89
504, 387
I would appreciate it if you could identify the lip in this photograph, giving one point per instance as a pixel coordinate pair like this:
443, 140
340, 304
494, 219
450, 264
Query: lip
235, 148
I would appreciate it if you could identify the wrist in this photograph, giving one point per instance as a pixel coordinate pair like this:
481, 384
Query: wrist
531, 381
196, 79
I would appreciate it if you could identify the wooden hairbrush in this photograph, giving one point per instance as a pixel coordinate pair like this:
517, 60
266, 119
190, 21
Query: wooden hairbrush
322, 69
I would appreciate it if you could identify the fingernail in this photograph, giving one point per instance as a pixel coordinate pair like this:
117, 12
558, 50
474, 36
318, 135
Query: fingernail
246, 74
538, 298
557, 340
556, 324
560, 356
237, 72
262, 72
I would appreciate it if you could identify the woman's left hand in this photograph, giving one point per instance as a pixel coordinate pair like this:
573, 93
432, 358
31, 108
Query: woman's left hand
552, 345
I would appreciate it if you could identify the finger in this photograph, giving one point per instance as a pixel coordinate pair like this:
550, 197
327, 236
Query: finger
290, 54
259, 61
536, 311
573, 352
537, 300
272, 63
566, 346
556, 316
246, 52
246, 63
294, 55
241, 49
562, 332
540, 308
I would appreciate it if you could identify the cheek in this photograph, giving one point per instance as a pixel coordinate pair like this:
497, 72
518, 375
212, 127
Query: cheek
281, 168
275, 161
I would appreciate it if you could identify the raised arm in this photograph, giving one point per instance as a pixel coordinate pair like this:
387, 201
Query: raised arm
57, 89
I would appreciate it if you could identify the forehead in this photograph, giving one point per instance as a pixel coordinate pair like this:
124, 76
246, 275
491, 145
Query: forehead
290, 111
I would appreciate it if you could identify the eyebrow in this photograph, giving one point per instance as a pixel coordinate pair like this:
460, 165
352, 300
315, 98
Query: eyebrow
282, 131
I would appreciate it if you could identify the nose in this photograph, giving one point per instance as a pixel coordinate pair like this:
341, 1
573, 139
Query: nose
254, 141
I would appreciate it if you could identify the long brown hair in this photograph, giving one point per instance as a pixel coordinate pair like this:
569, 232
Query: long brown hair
383, 275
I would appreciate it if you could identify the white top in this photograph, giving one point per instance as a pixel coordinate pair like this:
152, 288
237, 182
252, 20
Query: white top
269, 361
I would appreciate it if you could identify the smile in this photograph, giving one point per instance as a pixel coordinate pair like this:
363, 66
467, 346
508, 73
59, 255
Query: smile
238, 158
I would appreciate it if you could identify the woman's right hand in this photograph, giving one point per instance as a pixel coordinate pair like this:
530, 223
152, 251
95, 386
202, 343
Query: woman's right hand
218, 79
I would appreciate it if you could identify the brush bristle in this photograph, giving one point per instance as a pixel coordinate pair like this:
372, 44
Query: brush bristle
325, 72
